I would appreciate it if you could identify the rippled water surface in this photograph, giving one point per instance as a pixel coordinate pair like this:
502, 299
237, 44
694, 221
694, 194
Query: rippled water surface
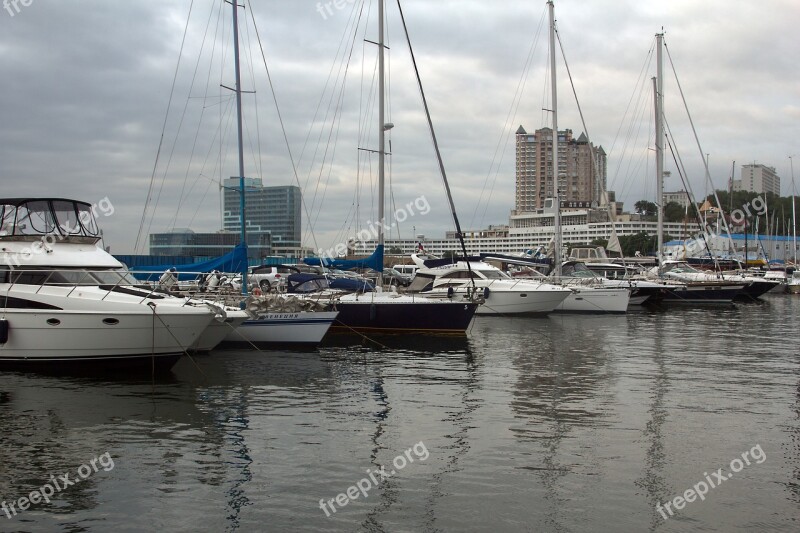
566, 423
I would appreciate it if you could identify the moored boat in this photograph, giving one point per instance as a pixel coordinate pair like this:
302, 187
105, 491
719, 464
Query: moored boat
66, 300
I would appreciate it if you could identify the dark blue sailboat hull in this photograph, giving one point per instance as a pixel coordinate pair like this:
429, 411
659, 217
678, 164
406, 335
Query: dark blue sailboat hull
447, 318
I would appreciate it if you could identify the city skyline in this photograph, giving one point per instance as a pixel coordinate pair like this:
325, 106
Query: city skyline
86, 90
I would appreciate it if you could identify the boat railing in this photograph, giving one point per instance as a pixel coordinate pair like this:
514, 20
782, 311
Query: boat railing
109, 281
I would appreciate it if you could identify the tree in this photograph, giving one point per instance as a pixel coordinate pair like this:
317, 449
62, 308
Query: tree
674, 212
645, 208
395, 250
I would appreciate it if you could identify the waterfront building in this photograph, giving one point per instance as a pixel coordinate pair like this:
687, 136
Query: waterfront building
526, 231
273, 211
582, 169
680, 197
185, 242
759, 179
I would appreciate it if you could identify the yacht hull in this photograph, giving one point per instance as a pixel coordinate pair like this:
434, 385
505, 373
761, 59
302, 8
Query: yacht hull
403, 316
595, 300
62, 336
218, 330
301, 328
702, 294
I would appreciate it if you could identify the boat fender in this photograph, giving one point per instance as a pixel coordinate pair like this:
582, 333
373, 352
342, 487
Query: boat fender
450, 292
3, 331
486, 293
372, 312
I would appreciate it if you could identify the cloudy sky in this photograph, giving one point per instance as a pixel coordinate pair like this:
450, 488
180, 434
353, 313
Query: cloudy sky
86, 91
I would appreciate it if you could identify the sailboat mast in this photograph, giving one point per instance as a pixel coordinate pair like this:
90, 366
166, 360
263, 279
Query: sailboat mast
381, 135
554, 103
659, 108
794, 219
238, 90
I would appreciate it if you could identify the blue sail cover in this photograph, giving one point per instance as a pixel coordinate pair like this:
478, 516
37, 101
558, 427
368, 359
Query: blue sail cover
375, 261
234, 261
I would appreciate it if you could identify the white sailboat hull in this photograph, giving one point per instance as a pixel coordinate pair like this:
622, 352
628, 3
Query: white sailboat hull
305, 327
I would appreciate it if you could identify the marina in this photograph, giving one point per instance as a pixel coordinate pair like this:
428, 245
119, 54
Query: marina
310, 360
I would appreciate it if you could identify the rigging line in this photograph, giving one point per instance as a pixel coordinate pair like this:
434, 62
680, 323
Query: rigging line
283, 128
335, 102
508, 125
336, 125
354, 21
251, 63
436, 148
163, 129
598, 188
171, 154
206, 97
700, 220
174, 220
708, 180
200, 203
641, 80
682, 170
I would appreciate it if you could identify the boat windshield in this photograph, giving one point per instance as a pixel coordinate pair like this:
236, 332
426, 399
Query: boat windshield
71, 277
492, 274
683, 268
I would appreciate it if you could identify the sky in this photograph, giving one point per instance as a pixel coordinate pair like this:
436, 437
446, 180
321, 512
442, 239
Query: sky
121, 102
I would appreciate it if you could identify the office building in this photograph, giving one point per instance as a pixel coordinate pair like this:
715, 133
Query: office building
268, 210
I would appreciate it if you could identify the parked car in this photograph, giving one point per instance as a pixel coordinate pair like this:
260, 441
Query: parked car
393, 277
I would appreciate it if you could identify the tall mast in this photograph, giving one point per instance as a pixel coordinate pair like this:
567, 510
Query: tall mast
238, 90
381, 135
554, 98
659, 97
794, 219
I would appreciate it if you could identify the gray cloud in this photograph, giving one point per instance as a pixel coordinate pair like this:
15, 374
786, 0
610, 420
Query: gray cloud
85, 87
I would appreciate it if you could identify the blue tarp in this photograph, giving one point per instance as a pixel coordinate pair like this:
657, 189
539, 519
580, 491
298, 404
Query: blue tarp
375, 261
234, 261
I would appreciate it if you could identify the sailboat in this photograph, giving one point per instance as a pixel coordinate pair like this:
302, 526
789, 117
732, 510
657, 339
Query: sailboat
582, 299
279, 325
265, 320
687, 289
391, 312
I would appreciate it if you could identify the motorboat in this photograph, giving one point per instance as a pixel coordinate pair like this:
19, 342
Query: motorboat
66, 300
502, 294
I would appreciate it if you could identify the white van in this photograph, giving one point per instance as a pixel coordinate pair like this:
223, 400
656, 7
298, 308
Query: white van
408, 270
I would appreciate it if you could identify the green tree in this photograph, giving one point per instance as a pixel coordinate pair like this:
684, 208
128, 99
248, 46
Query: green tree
675, 212
645, 208
395, 250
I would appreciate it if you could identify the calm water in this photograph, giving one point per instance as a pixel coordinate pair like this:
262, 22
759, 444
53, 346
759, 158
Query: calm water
566, 423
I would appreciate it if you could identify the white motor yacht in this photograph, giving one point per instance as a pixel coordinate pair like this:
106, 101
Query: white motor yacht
64, 299
502, 294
